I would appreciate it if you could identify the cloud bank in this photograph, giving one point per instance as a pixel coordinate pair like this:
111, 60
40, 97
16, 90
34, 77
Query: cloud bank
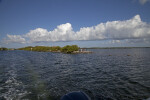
132, 29
143, 1
14, 39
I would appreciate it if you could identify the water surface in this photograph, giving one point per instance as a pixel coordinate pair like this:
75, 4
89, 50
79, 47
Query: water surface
105, 74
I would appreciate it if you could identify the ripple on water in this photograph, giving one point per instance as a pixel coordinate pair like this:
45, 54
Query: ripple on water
12, 89
106, 74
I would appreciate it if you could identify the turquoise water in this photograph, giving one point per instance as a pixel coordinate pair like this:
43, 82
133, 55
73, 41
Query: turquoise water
105, 74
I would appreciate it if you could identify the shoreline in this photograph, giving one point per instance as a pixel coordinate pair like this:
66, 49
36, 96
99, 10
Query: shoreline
113, 47
77, 52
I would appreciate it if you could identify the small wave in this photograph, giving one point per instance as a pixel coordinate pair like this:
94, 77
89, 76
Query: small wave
12, 88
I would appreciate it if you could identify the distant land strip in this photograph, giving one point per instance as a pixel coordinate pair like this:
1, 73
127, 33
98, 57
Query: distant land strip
112, 47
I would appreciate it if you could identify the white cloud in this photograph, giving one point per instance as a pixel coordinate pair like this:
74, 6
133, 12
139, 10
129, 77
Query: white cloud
61, 33
128, 29
143, 1
14, 39
115, 41
144, 40
133, 28
38, 35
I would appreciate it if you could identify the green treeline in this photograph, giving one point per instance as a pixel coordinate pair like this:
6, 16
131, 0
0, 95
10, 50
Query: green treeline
3, 49
40, 48
65, 49
69, 49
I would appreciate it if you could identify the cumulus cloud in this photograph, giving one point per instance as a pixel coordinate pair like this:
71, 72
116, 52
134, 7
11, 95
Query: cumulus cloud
133, 28
61, 33
14, 39
144, 40
115, 41
143, 1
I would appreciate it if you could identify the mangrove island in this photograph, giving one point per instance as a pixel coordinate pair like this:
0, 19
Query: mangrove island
71, 49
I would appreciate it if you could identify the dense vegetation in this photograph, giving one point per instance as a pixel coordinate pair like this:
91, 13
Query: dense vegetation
70, 49
65, 49
41, 48
3, 49
37, 48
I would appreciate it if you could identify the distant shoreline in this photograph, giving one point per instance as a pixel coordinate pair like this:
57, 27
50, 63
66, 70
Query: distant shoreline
113, 47
70, 49
10, 49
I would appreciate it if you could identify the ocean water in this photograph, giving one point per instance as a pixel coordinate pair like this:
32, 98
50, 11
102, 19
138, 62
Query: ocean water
105, 74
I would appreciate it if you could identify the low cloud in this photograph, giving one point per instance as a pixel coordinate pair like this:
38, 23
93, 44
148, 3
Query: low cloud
14, 39
145, 40
143, 1
133, 28
61, 33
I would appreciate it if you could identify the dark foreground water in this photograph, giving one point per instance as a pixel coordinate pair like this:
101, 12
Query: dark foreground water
106, 74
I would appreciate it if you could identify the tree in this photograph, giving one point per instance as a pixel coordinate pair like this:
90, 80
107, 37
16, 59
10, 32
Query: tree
3, 48
70, 49
65, 49
55, 48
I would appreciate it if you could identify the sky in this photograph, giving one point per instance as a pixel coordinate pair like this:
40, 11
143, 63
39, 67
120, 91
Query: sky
86, 23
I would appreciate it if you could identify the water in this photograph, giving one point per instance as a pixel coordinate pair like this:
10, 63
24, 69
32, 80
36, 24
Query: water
106, 74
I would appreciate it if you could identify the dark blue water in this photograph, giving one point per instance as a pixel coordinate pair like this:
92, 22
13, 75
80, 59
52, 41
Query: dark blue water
105, 74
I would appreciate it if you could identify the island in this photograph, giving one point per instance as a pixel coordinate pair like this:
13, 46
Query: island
70, 49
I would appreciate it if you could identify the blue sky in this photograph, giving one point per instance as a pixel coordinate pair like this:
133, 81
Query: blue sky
87, 23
